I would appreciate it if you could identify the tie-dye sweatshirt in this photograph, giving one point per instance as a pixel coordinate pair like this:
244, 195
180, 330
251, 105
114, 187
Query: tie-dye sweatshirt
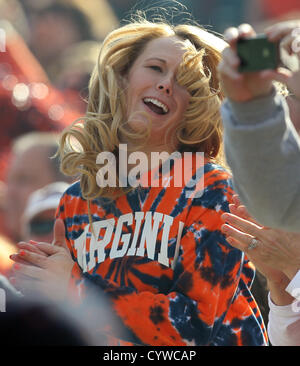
159, 255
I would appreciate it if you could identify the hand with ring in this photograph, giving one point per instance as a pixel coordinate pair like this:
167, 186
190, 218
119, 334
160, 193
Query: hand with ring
271, 250
253, 244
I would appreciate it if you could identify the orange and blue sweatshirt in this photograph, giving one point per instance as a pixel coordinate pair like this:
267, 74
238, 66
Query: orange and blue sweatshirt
160, 257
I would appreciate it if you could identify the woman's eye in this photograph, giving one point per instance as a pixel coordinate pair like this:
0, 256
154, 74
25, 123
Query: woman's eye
156, 68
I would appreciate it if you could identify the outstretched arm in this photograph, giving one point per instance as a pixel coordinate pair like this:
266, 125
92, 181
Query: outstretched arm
262, 146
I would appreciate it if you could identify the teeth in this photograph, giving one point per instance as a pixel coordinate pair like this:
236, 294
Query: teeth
158, 103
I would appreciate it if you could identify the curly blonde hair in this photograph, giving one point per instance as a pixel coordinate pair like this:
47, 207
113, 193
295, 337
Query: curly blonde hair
105, 124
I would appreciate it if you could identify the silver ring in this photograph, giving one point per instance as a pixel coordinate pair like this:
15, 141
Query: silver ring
253, 244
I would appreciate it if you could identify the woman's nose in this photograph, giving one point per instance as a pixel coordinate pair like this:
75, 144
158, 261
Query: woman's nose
165, 86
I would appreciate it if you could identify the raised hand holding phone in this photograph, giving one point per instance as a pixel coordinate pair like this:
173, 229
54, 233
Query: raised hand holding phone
237, 86
247, 77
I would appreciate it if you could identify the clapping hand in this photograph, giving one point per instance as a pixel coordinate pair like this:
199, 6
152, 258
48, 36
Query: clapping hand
43, 268
277, 252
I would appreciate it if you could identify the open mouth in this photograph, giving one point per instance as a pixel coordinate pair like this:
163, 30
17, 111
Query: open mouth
156, 106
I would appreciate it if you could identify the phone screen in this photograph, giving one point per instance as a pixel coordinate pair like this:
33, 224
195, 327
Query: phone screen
257, 54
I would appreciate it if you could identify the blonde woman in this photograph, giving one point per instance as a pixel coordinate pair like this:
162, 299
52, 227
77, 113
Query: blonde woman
153, 245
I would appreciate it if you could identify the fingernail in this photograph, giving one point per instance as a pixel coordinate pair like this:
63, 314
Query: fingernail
245, 28
224, 228
33, 242
22, 253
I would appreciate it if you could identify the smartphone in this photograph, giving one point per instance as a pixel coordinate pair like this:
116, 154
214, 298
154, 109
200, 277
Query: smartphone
257, 53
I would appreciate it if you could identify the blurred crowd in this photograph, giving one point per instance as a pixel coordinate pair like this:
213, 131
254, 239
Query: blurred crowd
50, 48
47, 55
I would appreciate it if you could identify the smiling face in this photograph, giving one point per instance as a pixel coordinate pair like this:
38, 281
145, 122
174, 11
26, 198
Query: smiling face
152, 89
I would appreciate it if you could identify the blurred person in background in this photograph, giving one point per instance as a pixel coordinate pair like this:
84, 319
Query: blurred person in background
31, 168
102, 17
75, 66
61, 323
14, 13
28, 101
66, 48
39, 214
53, 29
34, 320
77, 24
